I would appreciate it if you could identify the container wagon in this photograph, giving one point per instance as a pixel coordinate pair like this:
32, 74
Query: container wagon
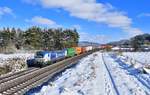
83, 49
58, 55
71, 52
88, 48
44, 58
78, 50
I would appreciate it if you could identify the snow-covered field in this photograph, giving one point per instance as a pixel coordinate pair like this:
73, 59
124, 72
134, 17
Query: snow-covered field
143, 57
93, 76
127, 79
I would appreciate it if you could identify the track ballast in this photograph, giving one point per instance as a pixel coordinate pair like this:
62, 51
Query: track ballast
21, 82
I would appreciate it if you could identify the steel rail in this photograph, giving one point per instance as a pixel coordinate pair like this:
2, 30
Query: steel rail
23, 82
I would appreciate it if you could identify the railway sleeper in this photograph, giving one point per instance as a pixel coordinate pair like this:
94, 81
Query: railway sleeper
28, 81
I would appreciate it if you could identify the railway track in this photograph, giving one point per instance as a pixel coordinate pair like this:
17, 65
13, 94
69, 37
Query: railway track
21, 82
8, 77
11, 74
131, 85
141, 79
115, 90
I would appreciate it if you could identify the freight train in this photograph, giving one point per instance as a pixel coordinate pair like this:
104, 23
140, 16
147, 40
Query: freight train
44, 58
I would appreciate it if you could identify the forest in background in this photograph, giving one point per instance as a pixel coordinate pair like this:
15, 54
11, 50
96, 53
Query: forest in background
36, 38
137, 42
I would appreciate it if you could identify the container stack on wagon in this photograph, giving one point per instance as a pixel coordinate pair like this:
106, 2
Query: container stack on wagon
71, 52
78, 50
88, 48
83, 49
43, 58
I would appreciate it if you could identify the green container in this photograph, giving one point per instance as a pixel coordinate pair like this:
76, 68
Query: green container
71, 52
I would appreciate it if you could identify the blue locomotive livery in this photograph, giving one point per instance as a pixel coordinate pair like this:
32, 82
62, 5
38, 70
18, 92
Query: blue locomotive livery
43, 58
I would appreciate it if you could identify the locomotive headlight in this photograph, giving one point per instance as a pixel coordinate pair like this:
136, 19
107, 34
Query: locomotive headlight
45, 60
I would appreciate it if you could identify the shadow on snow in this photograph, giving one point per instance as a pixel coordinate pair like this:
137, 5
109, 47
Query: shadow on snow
132, 71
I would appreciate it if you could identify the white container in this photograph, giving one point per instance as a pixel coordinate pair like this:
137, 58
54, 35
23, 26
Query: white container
88, 48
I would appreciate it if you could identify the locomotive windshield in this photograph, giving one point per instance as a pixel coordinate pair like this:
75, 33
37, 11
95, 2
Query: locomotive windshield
39, 55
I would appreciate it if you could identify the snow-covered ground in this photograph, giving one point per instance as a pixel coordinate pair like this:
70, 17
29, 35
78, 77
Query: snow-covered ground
127, 79
10, 63
143, 57
93, 76
5, 57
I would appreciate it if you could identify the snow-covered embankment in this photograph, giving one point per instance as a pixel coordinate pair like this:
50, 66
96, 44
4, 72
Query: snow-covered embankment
92, 77
87, 78
127, 79
13, 62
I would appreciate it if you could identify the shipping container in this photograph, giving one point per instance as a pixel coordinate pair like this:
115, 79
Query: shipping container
61, 54
78, 50
57, 55
88, 48
83, 49
71, 52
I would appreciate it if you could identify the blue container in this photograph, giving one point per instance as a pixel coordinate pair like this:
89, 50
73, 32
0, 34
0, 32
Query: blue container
61, 53
58, 55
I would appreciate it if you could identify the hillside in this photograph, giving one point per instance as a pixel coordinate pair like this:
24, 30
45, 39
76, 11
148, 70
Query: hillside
141, 39
86, 43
